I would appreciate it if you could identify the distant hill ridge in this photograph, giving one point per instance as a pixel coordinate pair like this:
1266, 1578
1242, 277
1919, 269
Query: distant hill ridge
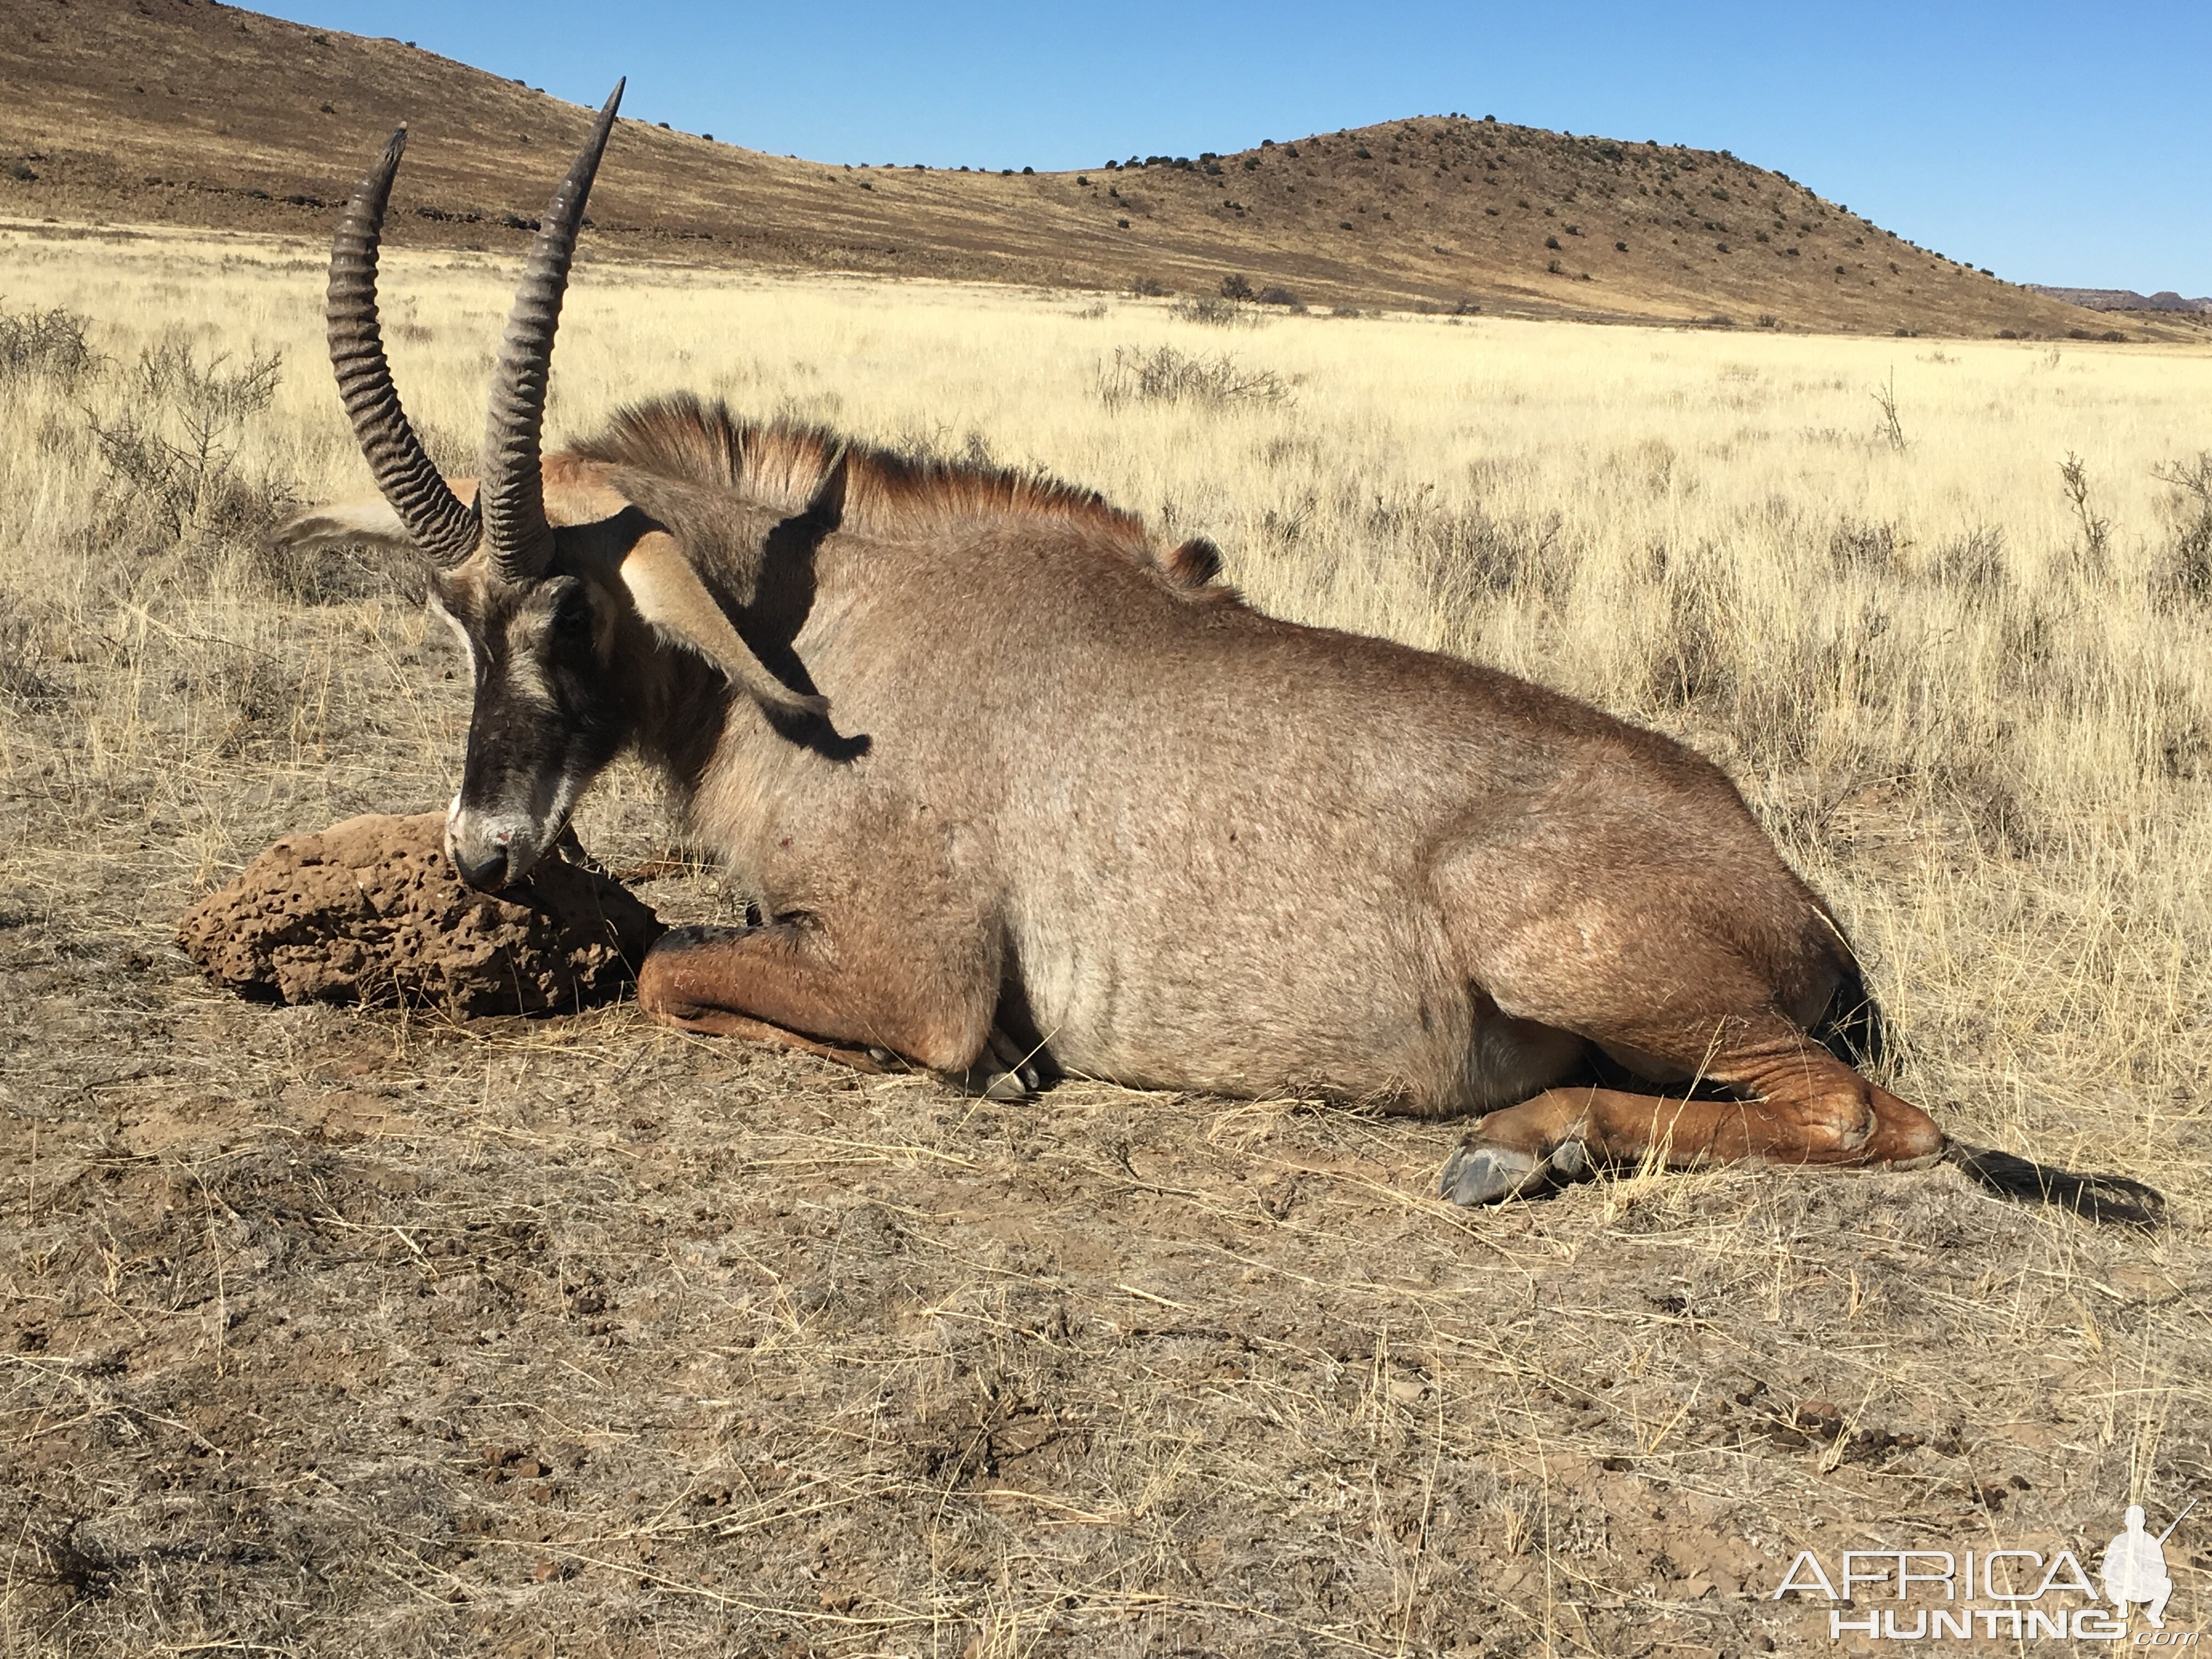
2122, 298
185, 111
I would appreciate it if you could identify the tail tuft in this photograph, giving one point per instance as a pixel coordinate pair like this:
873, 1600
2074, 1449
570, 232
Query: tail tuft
2114, 1201
1853, 1031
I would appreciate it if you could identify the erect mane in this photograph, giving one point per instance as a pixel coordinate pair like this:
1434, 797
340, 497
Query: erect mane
886, 494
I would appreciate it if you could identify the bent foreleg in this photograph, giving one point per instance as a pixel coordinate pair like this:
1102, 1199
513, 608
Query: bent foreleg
839, 990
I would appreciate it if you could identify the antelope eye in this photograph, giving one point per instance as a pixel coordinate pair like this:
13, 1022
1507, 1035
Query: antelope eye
573, 617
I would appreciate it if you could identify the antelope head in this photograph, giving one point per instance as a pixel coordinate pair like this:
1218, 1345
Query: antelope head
546, 611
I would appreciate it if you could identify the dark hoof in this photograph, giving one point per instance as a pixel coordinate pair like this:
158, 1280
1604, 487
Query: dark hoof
1008, 1087
1479, 1173
990, 1082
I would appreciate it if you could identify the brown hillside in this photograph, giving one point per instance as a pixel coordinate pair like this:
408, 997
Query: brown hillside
185, 112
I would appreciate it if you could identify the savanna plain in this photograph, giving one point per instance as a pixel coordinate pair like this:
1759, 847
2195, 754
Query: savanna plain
330, 1331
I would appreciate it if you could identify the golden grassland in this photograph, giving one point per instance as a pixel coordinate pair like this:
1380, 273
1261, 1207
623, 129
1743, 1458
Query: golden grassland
2006, 693
1960, 657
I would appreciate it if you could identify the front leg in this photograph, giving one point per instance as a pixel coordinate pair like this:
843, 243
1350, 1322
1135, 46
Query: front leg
837, 986
720, 1022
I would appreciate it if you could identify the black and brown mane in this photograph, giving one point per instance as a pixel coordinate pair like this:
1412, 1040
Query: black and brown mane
892, 496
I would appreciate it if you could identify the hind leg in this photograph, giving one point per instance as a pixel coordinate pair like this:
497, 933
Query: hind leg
1797, 1104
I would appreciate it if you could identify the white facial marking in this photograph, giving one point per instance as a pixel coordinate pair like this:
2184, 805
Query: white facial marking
468, 644
526, 678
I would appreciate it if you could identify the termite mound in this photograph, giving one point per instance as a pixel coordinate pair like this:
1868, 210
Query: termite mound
371, 911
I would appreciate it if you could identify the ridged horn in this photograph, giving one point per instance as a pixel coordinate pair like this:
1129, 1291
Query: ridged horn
512, 499
442, 526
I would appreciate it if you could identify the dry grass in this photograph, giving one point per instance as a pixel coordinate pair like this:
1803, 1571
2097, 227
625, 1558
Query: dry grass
333, 1333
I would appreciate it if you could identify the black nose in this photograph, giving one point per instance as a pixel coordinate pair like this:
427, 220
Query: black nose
487, 873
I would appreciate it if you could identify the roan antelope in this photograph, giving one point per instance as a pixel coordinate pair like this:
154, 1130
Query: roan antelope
1011, 784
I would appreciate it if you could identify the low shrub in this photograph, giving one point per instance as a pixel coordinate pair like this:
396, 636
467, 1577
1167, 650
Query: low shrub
173, 449
1164, 374
1216, 312
2187, 574
52, 345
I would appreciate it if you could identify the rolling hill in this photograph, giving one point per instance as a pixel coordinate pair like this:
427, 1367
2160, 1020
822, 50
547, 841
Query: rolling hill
2126, 299
185, 112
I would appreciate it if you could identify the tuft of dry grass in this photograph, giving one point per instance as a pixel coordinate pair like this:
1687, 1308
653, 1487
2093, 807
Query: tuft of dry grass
325, 1332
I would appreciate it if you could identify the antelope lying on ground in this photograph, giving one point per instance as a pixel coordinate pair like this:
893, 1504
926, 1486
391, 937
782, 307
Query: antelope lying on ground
1011, 784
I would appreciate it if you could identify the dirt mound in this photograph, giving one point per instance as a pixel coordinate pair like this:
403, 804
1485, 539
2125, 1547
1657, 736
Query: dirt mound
371, 911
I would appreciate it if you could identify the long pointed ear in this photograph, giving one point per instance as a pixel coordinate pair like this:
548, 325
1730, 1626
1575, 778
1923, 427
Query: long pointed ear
826, 511
670, 596
335, 524
341, 523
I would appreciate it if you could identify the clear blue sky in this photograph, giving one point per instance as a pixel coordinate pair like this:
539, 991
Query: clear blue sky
2048, 143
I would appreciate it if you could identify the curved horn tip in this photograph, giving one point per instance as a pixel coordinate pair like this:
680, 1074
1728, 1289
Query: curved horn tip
510, 499
605, 124
380, 177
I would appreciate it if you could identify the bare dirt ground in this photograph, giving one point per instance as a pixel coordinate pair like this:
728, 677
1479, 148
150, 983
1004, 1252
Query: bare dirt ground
325, 1333
334, 1333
